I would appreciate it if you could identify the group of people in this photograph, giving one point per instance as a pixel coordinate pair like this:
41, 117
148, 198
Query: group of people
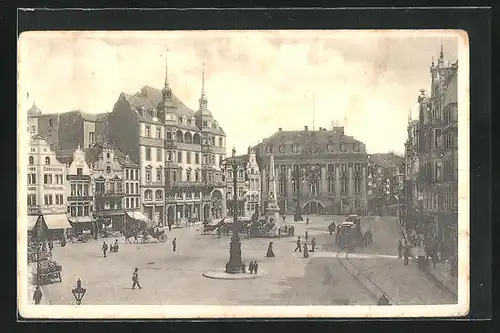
253, 267
113, 248
304, 246
286, 230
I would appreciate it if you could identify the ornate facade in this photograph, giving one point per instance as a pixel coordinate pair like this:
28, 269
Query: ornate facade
436, 149
179, 153
318, 172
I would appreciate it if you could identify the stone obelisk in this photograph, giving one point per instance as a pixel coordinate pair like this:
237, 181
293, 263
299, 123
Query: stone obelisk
272, 209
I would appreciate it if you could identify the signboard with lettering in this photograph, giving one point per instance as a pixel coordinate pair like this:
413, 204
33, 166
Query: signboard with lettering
52, 169
53, 188
31, 188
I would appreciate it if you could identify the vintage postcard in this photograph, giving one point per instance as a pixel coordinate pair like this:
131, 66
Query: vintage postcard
209, 174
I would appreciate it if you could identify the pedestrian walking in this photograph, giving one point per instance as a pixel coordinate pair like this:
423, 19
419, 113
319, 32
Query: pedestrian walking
51, 246
400, 249
37, 295
104, 248
307, 220
169, 226
270, 253
307, 236
255, 267
250, 267
135, 278
218, 233
174, 244
370, 236
336, 235
279, 232
298, 246
313, 244
306, 251
284, 218
406, 252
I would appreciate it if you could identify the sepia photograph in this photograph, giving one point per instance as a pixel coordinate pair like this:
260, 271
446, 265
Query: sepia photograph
243, 174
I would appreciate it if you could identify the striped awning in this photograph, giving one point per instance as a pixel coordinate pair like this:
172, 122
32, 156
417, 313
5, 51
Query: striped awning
56, 221
32, 219
138, 216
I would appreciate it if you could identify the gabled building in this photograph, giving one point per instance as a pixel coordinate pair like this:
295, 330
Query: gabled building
318, 171
79, 189
248, 187
178, 150
46, 188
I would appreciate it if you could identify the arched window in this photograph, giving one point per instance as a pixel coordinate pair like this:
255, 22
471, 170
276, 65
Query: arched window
148, 195
196, 138
344, 185
188, 138
179, 136
158, 195
47, 160
32, 160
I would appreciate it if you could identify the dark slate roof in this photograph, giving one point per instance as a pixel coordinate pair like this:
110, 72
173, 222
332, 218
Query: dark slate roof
305, 137
387, 160
150, 97
122, 159
245, 157
451, 90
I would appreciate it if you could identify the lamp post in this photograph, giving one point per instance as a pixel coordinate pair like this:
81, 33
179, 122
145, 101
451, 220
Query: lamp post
79, 292
234, 164
298, 176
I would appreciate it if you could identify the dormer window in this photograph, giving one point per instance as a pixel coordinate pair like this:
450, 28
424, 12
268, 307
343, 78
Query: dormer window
329, 147
189, 121
47, 160
269, 149
179, 119
295, 148
356, 147
343, 147
282, 148
205, 123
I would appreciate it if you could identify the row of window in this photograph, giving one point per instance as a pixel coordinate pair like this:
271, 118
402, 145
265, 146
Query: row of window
330, 168
79, 189
332, 184
111, 204
131, 202
79, 209
31, 160
129, 188
131, 174
48, 199
148, 195
186, 137
330, 147
108, 186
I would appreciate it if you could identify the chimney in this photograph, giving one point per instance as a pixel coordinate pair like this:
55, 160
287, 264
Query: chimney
305, 128
280, 129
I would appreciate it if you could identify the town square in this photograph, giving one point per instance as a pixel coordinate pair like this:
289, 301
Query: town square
335, 183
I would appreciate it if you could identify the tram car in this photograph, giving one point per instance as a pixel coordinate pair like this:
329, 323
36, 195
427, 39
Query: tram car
358, 237
346, 236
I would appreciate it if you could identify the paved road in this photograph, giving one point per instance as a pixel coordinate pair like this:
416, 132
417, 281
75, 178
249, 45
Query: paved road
175, 278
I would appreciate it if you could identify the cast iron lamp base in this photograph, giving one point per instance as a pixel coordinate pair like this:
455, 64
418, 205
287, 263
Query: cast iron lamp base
235, 264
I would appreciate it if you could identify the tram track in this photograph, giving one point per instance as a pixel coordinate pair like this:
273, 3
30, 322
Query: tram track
366, 282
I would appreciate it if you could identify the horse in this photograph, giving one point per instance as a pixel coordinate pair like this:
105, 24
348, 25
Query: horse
129, 234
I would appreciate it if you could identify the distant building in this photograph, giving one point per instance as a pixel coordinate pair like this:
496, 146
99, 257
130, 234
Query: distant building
46, 189
318, 172
178, 149
385, 183
248, 187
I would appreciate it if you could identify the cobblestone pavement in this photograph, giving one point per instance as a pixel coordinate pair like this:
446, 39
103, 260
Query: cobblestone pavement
175, 278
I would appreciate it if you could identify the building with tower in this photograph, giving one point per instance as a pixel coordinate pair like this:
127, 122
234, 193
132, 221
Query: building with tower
178, 151
436, 143
317, 172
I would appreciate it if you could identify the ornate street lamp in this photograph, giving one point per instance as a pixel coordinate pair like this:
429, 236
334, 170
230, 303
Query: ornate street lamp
234, 164
79, 292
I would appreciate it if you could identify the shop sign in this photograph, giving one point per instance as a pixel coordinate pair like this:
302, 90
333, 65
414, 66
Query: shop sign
53, 188
52, 169
31, 188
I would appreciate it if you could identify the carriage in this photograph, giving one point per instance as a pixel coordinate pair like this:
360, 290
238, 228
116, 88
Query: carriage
48, 271
145, 232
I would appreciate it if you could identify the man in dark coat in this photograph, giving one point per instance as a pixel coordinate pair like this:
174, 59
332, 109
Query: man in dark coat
174, 244
270, 253
307, 236
255, 267
400, 249
37, 295
250, 267
313, 244
104, 248
298, 245
406, 252
135, 278
51, 246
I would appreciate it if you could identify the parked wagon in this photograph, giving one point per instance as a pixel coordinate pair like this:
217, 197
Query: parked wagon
48, 271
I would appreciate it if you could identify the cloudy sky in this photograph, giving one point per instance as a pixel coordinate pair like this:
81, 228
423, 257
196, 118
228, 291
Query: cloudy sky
255, 82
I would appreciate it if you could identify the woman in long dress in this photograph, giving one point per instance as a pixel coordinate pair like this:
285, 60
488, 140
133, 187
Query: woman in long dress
306, 251
270, 253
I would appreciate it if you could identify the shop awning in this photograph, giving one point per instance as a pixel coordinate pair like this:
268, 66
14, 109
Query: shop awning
138, 216
56, 221
32, 221
80, 219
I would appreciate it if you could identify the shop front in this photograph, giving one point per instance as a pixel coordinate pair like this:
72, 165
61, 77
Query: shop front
82, 224
134, 219
57, 225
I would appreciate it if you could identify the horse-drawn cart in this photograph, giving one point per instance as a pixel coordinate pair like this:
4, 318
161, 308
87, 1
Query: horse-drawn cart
49, 270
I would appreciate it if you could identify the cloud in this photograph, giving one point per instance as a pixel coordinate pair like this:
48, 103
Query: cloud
255, 81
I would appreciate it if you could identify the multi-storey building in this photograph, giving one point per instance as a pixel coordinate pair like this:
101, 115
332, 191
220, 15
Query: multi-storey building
69, 129
178, 150
108, 177
411, 167
132, 205
79, 189
385, 183
46, 188
248, 187
323, 171
437, 149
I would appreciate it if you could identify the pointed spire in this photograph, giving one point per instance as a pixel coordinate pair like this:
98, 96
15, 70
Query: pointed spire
166, 69
409, 115
432, 61
441, 55
203, 99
